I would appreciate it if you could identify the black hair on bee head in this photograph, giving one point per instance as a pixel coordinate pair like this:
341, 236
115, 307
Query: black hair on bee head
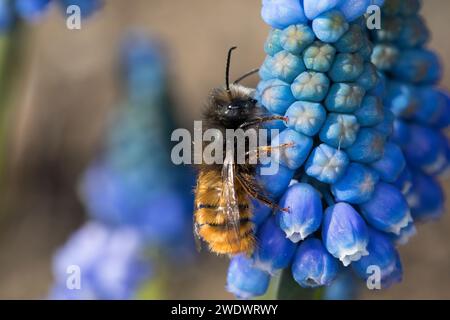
230, 108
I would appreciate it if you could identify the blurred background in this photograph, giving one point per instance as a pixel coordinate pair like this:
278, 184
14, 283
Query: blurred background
65, 89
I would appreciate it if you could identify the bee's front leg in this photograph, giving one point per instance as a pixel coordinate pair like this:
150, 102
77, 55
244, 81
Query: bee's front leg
259, 121
253, 156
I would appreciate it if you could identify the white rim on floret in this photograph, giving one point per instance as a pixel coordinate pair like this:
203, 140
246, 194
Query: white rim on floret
390, 269
350, 255
406, 234
265, 266
239, 293
297, 234
438, 165
403, 223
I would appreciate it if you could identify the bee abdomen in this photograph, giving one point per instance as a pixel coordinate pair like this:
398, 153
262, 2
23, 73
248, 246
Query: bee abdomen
224, 239
245, 245
225, 232
213, 215
212, 223
215, 228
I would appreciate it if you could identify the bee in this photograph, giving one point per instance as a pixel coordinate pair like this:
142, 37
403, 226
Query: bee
222, 208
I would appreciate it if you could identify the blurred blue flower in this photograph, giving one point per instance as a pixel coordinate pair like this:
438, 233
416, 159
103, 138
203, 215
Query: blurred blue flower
33, 11
6, 16
425, 149
144, 67
132, 190
132, 184
425, 197
111, 263
417, 66
87, 7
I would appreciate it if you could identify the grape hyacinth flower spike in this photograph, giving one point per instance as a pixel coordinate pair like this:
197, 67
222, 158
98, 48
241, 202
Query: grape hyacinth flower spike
353, 196
421, 109
111, 263
127, 189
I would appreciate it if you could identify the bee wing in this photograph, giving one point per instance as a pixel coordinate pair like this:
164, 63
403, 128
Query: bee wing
231, 205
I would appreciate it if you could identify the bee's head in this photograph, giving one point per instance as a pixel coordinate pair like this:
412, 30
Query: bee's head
234, 102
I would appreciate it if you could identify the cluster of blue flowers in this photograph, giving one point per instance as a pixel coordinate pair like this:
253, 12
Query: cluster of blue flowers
343, 181
100, 262
422, 110
33, 10
133, 190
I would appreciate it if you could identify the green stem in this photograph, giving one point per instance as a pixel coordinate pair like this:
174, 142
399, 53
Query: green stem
288, 289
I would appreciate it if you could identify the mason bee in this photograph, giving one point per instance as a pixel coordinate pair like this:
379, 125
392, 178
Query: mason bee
223, 212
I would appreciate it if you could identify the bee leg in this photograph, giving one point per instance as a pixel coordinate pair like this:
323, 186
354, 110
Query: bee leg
256, 153
253, 192
261, 120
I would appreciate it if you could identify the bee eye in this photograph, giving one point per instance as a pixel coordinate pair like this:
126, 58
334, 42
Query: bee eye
253, 101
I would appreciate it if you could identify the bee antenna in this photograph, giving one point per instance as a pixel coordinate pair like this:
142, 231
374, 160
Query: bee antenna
251, 72
227, 71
